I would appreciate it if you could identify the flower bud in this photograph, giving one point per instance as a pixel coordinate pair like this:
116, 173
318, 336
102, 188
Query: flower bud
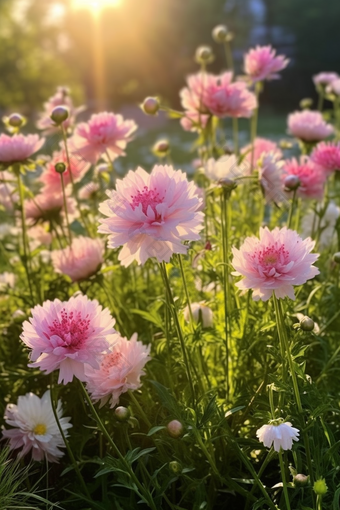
161, 147
151, 105
175, 429
336, 257
285, 144
320, 487
60, 114
204, 55
175, 467
16, 120
228, 184
220, 33
60, 168
300, 480
307, 324
230, 36
306, 103
291, 182
122, 413
208, 246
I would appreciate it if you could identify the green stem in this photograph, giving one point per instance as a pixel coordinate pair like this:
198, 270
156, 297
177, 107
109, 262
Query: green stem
140, 410
291, 210
253, 124
186, 290
225, 214
235, 135
284, 482
65, 207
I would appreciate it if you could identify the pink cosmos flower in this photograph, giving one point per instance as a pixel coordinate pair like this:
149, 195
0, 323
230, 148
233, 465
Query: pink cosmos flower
80, 260
312, 178
262, 146
49, 205
120, 370
60, 98
327, 155
18, 148
309, 126
225, 99
66, 335
193, 97
104, 134
151, 215
52, 179
270, 176
262, 63
274, 263
325, 78
35, 428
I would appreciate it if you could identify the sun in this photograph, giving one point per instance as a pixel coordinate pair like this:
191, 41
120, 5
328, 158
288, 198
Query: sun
95, 6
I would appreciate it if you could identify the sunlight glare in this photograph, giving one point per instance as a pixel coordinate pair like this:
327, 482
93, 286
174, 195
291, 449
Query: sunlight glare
95, 6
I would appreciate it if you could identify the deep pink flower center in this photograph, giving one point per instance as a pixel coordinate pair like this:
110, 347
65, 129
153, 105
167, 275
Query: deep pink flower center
148, 198
114, 359
272, 257
72, 329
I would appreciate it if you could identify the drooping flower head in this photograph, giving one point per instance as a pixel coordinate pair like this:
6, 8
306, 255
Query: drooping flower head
18, 148
327, 156
66, 335
61, 98
52, 179
104, 134
262, 63
274, 263
262, 146
80, 260
120, 370
309, 126
281, 434
225, 99
151, 215
35, 428
312, 178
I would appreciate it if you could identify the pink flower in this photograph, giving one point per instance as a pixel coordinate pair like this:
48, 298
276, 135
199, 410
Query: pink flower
193, 121
327, 155
80, 260
120, 370
18, 148
66, 335
334, 87
193, 97
151, 215
262, 146
225, 99
89, 191
49, 205
35, 427
274, 263
8, 195
270, 176
312, 178
105, 134
309, 126
52, 179
60, 98
261, 63
325, 78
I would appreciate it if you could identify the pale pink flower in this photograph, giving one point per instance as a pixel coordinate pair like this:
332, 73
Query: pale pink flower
66, 335
193, 97
325, 78
274, 263
49, 205
52, 179
200, 311
105, 134
151, 215
38, 235
261, 63
88, 191
226, 167
282, 435
8, 195
225, 99
309, 126
80, 260
270, 176
262, 146
18, 148
120, 370
60, 98
334, 86
312, 177
193, 121
35, 427
327, 155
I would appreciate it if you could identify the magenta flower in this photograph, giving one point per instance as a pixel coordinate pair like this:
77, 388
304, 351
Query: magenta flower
312, 178
225, 99
327, 156
152, 214
66, 335
262, 146
104, 134
274, 263
120, 370
18, 148
325, 78
60, 98
52, 179
262, 63
80, 260
309, 126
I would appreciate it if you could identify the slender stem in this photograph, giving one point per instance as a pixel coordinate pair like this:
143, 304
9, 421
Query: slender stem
65, 208
253, 124
186, 289
140, 410
228, 55
113, 172
320, 100
225, 214
284, 482
235, 135
291, 210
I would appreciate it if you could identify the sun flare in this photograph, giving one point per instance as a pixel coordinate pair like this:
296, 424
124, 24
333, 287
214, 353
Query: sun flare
95, 6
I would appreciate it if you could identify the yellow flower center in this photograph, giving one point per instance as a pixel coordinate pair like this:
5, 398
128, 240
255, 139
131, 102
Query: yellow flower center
40, 429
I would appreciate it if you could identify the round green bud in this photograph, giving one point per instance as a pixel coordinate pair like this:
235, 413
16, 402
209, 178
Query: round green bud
219, 33
204, 55
151, 105
175, 429
16, 120
161, 147
60, 114
60, 168
320, 487
306, 323
291, 182
122, 413
306, 103
300, 480
336, 257
175, 467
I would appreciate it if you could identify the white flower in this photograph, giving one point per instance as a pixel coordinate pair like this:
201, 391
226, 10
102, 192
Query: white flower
7, 279
282, 435
227, 167
199, 310
35, 427
327, 225
270, 175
